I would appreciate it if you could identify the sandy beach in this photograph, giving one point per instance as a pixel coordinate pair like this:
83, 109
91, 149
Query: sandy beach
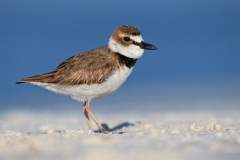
40, 135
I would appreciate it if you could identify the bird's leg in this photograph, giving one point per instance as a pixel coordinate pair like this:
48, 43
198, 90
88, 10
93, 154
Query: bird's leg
87, 108
86, 115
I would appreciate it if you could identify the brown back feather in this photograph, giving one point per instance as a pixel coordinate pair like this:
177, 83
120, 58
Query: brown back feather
90, 67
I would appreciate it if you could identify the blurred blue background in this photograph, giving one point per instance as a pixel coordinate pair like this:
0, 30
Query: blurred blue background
196, 66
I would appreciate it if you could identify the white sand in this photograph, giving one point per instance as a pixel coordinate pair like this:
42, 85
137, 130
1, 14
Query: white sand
39, 135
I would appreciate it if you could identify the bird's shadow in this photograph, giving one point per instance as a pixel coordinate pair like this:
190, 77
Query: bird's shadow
115, 128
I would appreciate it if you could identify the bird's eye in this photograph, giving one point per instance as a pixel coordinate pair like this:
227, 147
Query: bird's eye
127, 39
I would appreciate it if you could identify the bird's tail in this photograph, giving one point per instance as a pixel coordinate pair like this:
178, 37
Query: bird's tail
39, 78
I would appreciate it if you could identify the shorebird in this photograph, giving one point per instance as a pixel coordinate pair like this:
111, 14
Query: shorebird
96, 73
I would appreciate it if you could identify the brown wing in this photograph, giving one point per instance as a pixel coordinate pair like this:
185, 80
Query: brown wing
90, 67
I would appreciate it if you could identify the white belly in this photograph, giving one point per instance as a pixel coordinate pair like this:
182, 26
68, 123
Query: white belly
84, 92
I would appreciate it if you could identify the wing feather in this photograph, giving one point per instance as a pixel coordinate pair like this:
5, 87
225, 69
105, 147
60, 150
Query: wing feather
90, 67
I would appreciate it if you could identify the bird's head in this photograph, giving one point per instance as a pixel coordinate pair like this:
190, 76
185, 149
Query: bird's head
127, 40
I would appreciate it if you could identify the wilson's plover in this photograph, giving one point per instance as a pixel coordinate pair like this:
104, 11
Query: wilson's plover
95, 73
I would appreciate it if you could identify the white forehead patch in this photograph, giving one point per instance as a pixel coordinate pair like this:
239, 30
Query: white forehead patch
137, 38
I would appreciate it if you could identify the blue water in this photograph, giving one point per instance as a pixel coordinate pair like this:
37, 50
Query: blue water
198, 48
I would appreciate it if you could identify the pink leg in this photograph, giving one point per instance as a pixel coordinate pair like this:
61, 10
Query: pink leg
88, 110
86, 115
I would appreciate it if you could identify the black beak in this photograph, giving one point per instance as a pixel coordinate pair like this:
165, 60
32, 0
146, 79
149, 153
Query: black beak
144, 45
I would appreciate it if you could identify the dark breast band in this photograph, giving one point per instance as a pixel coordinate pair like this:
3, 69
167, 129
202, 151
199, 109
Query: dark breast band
129, 62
